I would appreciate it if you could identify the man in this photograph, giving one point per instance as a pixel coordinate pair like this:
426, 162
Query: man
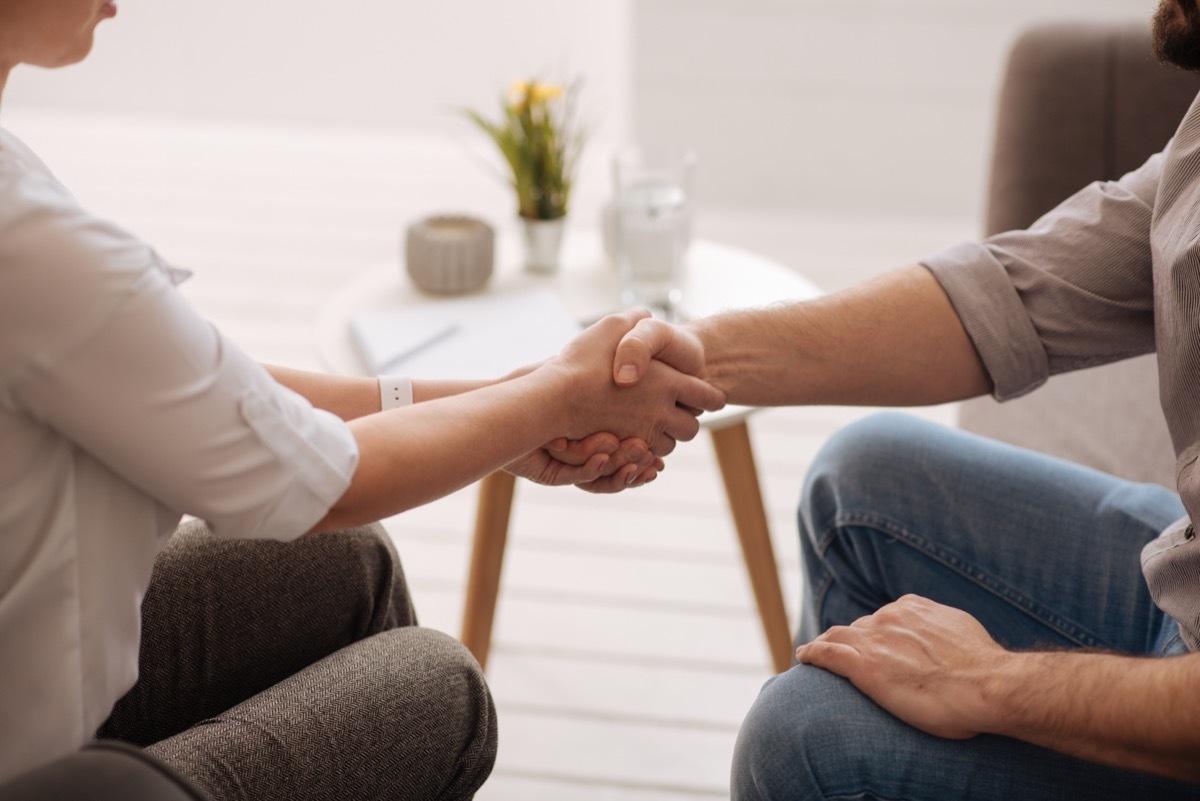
978, 617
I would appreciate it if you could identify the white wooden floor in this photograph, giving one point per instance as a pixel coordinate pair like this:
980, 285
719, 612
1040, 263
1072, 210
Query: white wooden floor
627, 648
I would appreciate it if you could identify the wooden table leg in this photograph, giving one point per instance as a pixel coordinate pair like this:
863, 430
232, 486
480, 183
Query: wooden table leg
736, 459
487, 558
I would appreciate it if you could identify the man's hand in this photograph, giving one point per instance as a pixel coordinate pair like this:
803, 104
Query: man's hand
661, 409
654, 339
600, 463
926, 663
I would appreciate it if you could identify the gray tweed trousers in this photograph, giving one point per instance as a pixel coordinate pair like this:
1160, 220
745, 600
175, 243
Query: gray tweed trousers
296, 671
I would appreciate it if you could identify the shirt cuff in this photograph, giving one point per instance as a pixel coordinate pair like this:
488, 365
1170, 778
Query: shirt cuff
310, 458
994, 317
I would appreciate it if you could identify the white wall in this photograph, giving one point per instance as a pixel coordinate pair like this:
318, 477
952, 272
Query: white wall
357, 62
872, 108
863, 108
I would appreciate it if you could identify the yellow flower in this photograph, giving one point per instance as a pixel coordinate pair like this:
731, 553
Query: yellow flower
522, 92
539, 138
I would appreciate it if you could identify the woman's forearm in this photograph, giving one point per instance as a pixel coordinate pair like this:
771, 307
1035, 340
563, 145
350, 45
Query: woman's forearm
351, 397
412, 455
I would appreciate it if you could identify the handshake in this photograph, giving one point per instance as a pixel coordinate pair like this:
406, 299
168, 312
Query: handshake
622, 394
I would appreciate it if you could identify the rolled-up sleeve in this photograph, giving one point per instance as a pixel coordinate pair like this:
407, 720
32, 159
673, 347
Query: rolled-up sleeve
114, 359
1074, 290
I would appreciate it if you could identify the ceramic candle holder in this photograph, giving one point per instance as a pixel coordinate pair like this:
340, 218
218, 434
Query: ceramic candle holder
449, 254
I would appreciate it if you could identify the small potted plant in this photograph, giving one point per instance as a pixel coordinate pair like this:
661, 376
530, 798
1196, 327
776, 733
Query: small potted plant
541, 143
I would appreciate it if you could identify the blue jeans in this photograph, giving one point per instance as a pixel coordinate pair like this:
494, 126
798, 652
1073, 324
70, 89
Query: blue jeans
1043, 552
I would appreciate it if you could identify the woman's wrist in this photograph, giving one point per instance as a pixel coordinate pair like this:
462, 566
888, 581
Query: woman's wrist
555, 389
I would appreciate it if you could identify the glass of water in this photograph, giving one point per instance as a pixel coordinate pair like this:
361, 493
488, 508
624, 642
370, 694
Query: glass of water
653, 225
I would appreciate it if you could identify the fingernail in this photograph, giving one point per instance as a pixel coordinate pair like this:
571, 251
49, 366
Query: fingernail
629, 478
636, 454
628, 372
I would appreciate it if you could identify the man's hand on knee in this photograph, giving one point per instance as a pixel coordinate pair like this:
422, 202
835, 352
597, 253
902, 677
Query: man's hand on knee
926, 663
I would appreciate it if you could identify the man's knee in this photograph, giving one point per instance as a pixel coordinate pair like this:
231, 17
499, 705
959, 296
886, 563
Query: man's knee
809, 735
878, 459
857, 452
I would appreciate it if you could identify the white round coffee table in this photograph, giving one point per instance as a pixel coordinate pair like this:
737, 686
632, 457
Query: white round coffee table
719, 278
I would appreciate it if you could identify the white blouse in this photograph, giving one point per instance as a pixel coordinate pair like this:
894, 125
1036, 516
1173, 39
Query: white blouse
120, 409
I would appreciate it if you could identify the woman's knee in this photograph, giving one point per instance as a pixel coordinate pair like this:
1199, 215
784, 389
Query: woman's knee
404, 714
431, 693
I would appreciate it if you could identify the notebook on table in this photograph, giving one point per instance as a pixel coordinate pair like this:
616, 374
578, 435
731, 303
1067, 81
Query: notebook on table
482, 336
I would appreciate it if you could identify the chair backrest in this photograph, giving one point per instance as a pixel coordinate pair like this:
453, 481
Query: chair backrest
1082, 102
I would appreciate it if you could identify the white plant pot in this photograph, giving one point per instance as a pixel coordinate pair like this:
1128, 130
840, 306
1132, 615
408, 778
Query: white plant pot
543, 243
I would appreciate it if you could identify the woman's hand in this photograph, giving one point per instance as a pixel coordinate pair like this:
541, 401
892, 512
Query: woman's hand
600, 463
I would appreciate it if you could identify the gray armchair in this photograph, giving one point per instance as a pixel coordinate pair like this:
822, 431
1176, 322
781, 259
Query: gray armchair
1082, 102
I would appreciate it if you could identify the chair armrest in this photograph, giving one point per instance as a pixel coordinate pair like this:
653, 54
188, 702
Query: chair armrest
104, 771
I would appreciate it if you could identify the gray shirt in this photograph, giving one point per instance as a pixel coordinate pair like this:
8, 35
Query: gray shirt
1112, 272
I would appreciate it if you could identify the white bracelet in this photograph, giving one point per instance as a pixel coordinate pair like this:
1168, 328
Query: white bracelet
394, 391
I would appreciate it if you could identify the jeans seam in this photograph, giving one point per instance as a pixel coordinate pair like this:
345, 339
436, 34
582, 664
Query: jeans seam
819, 590
985, 580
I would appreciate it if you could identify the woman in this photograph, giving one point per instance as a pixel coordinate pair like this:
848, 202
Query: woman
267, 670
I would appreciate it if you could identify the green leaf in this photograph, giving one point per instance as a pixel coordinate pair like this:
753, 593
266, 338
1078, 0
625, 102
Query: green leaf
541, 144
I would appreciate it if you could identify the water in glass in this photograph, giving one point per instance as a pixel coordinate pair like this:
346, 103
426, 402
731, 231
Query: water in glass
653, 229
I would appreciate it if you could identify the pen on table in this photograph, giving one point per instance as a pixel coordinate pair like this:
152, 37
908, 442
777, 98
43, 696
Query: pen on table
433, 339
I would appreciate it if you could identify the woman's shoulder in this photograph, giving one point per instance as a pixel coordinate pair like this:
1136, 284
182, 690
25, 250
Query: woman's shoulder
63, 270
43, 226
27, 186
18, 156
58, 261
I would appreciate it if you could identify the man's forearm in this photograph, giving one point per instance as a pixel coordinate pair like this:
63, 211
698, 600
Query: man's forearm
895, 341
1136, 713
